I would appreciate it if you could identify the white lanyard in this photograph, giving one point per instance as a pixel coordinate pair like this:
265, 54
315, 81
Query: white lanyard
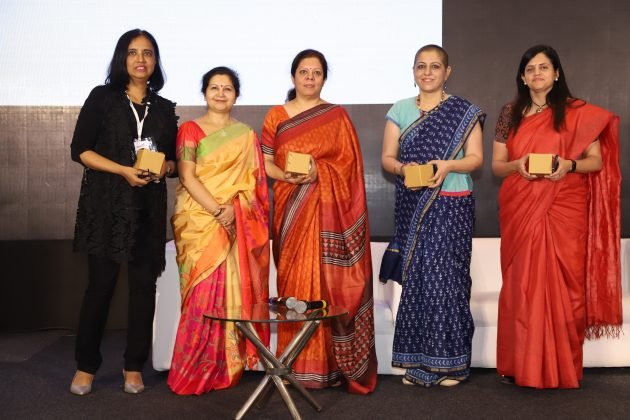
139, 123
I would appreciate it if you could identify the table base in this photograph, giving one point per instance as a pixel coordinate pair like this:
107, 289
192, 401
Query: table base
278, 369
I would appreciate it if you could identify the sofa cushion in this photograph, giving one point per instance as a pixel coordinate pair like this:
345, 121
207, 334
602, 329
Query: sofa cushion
485, 307
383, 319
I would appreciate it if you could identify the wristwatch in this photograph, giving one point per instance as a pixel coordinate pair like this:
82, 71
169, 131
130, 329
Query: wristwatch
573, 165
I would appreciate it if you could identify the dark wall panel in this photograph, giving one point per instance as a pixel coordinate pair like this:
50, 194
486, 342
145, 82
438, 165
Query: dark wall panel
43, 284
485, 40
40, 183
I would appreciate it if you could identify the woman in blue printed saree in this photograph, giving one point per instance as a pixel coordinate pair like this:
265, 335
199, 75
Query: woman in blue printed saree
432, 244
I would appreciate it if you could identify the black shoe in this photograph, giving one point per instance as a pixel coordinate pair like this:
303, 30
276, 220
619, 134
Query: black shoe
507, 380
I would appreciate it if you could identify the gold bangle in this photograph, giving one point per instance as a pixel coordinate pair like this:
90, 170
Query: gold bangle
217, 212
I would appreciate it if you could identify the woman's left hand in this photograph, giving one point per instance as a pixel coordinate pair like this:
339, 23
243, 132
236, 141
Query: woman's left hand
312, 173
564, 166
443, 169
226, 218
167, 166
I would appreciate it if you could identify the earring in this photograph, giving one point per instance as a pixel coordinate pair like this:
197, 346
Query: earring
414, 84
556, 79
525, 83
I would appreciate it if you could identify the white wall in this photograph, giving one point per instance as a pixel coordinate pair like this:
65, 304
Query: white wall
54, 52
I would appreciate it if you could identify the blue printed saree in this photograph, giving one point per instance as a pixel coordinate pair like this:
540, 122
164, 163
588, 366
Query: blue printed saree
430, 253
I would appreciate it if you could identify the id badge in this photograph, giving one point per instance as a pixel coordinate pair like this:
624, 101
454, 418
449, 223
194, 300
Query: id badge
144, 143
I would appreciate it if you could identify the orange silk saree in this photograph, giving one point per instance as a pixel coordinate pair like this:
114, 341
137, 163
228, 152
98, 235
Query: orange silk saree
321, 244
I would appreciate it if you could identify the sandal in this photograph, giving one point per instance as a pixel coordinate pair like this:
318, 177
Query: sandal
449, 382
406, 381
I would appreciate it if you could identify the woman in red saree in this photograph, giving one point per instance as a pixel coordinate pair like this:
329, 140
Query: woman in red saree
222, 239
321, 240
560, 233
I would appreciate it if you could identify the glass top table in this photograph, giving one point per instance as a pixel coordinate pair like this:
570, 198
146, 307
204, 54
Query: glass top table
265, 313
277, 369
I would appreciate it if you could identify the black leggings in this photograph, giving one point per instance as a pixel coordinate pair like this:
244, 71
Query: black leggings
102, 277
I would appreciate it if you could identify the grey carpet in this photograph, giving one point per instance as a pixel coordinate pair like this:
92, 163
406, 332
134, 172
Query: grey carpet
38, 388
19, 347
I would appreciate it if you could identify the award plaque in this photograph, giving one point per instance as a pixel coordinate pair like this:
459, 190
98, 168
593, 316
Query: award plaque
298, 163
150, 161
540, 163
417, 176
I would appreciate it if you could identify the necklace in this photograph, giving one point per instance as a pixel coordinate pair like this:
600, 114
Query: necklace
419, 102
138, 99
539, 108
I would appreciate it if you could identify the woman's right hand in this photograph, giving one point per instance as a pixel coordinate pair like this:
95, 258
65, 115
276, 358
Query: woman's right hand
402, 168
135, 177
520, 166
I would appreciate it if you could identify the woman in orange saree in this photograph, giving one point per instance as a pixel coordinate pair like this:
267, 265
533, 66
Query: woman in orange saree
320, 229
222, 238
560, 233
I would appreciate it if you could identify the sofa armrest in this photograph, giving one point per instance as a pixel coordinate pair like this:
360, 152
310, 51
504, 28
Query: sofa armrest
391, 295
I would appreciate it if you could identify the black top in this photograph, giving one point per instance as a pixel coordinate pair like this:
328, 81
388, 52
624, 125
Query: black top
91, 117
114, 219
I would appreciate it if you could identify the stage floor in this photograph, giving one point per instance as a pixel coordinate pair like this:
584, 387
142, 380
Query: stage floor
36, 370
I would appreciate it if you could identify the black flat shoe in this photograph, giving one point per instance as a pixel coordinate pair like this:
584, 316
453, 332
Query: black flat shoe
507, 380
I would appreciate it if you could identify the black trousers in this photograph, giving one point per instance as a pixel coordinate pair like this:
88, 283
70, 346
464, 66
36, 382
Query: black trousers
102, 277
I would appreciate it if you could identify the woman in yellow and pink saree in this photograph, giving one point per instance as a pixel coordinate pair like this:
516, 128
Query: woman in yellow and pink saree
222, 238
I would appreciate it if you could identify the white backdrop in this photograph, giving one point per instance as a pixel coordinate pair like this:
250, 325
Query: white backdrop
54, 52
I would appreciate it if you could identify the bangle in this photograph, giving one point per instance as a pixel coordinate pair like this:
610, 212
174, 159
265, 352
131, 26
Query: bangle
573, 165
217, 212
400, 169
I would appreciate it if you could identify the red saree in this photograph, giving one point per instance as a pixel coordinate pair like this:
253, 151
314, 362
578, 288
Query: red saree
321, 244
559, 251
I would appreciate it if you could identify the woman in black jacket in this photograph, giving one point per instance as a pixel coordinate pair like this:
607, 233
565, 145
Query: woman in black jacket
121, 216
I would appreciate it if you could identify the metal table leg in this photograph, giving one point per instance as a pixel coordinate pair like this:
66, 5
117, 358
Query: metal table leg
285, 361
276, 369
252, 398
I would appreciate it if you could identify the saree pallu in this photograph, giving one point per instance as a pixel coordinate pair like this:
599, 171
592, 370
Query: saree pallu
559, 251
217, 269
321, 245
430, 254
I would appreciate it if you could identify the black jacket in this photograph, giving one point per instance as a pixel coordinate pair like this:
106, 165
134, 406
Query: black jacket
116, 220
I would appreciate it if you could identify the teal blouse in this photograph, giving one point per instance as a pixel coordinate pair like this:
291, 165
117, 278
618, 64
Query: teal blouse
403, 113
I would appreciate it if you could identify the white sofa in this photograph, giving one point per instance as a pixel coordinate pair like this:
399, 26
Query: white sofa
486, 283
